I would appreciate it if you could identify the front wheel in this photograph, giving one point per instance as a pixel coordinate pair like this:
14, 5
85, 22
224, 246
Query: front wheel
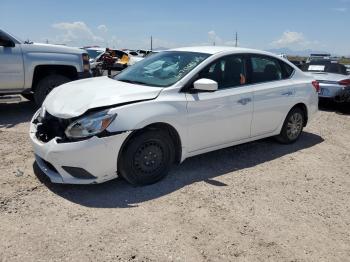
147, 157
46, 85
292, 127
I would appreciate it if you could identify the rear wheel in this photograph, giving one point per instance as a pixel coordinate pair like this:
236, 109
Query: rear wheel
147, 157
46, 85
292, 127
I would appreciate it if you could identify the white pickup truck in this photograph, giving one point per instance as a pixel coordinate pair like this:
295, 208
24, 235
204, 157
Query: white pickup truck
33, 70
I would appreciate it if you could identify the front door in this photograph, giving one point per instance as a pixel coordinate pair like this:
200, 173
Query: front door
11, 66
224, 116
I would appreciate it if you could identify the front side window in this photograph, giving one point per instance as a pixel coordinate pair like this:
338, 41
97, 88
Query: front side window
162, 69
228, 71
265, 69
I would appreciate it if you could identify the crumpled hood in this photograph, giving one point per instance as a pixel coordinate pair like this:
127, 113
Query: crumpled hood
75, 98
328, 76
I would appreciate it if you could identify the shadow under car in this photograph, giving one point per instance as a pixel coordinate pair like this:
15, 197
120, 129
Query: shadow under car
119, 194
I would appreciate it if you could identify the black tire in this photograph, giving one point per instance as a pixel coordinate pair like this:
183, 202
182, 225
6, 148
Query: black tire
292, 127
46, 85
147, 158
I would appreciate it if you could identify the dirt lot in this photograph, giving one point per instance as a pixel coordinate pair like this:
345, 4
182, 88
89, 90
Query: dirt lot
256, 202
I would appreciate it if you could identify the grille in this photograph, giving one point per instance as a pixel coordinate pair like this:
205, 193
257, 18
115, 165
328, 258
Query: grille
51, 127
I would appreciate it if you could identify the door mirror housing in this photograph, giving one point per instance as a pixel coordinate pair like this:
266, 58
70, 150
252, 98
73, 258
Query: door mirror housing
205, 84
6, 42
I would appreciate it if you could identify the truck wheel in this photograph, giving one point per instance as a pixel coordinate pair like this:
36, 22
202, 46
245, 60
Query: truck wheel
46, 85
147, 158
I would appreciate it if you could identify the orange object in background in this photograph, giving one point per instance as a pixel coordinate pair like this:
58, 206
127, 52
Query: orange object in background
124, 60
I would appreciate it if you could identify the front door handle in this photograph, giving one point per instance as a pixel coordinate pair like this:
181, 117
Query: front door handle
289, 93
244, 101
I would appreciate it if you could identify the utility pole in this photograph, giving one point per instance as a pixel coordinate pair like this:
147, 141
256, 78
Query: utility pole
236, 42
151, 43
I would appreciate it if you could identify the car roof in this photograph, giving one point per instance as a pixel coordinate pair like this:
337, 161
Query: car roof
220, 49
94, 48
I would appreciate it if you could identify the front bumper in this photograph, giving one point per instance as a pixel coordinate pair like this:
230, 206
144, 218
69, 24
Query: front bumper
97, 156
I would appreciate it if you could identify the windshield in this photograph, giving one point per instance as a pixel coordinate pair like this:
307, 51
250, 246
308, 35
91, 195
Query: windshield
94, 53
162, 69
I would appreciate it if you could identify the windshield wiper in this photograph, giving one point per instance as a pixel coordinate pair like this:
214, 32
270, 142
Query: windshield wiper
133, 82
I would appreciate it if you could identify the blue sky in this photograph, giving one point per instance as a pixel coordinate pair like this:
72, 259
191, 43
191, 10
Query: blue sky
296, 24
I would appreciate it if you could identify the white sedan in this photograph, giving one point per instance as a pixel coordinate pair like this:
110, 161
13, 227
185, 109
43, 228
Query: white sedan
166, 108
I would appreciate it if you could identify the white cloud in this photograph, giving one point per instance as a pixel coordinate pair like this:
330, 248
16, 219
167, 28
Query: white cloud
214, 38
102, 28
294, 40
114, 42
340, 9
76, 32
290, 38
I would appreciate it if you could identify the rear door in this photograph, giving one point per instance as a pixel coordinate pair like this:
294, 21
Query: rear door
11, 65
273, 93
220, 117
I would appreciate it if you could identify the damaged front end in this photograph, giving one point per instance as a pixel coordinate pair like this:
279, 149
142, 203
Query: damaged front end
49, 127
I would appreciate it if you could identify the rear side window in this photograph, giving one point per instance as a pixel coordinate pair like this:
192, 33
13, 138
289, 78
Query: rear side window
265, 69
228, 71
287, 70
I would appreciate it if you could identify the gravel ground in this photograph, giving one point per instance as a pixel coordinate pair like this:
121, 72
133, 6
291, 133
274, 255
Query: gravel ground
260, 201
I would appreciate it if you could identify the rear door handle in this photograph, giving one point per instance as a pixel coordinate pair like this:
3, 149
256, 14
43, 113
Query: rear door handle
244, 101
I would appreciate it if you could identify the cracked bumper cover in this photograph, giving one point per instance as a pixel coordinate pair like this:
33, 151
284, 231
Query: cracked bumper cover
97, 156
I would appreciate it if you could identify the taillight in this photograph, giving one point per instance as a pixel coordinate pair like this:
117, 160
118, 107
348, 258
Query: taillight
86, 62
316, 86
345, 82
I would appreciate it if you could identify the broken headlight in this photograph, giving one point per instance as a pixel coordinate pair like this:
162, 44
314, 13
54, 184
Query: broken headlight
90, 125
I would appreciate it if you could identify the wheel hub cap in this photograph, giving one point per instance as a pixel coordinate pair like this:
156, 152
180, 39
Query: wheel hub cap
149, 157
294, 126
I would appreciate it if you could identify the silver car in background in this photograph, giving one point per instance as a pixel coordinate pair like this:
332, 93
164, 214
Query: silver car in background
333, 79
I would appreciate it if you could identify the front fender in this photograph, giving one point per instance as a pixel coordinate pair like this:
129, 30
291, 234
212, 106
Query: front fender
139, 115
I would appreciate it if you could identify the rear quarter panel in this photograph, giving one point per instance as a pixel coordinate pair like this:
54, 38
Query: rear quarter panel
306, 93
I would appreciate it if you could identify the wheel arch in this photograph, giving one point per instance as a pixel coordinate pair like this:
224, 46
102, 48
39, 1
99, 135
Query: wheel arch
303, 107
42, 71
174, 135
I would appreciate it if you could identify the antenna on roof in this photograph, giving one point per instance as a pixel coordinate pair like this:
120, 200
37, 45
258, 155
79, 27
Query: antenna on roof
236, 42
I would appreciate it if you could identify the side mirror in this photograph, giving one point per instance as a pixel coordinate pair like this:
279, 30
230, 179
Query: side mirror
6, 43
205, 84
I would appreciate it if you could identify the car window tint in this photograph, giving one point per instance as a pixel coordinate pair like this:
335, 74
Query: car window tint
228, 72
288, 70
3, 38
162, 69
265, 69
